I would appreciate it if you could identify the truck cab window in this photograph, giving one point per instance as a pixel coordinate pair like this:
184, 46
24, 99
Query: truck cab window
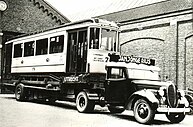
116, 73
29, 48
94, 38
18, 48
42, 46
56, 44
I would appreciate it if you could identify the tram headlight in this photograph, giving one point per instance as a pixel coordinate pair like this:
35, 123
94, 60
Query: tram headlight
161, 91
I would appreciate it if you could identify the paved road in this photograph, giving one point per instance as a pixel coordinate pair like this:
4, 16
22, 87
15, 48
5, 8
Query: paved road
64, 114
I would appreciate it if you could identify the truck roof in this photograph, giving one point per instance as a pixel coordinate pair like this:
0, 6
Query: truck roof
133, 66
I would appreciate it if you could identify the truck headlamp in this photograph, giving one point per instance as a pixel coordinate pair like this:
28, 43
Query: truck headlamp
161, 92
182, 93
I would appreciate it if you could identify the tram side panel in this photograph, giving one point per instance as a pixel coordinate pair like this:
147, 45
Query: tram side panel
49, 55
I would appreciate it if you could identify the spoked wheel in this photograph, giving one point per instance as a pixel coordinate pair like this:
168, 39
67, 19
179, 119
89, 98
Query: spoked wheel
114, 109
143, 112
83, 104
20, 92
175, 118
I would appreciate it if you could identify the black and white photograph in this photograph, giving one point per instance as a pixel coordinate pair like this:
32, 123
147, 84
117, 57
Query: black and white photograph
96, 63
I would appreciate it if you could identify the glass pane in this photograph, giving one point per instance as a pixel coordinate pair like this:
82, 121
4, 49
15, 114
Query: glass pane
29, 48
18, 50
94, 38
42, 46
108, 40
117, 73
56, 44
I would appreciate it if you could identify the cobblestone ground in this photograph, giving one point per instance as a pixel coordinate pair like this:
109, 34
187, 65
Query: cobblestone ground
64, 114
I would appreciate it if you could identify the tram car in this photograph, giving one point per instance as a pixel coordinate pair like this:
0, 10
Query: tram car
59, 63
72, 48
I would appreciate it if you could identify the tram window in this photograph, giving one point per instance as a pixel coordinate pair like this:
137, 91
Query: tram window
56, 44
42, 46
94, 38
108, 41
29, 48
18, 50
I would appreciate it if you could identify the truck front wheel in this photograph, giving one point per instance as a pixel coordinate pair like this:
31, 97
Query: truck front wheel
143, 112
20, 92
175, 118
83, 104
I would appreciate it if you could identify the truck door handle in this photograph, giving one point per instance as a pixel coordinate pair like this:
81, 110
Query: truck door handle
47, 60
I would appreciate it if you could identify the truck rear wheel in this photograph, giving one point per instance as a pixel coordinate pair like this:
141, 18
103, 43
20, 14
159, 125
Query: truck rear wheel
175, 118
143, 112
83, 104
20, 92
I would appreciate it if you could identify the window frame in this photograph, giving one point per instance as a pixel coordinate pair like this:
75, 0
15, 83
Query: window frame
61, 40
123, 76
36, 47
14, 49
33, 47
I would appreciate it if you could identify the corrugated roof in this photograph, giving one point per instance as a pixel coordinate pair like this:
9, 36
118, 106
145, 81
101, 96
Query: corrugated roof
113, 6
162, 8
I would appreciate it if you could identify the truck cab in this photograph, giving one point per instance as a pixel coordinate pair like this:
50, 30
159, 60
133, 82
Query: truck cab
138, 87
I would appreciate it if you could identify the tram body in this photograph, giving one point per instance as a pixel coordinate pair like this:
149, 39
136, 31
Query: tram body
79, 47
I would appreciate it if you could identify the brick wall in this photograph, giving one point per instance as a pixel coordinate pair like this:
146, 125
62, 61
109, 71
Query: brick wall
163, 39
26, 16
164, 32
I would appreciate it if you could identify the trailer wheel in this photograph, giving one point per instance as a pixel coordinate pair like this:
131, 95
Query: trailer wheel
175, 118
143, 112
20, 92
114, 109
83, 104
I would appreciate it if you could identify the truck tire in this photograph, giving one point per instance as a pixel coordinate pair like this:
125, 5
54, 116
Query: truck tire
175, 118
20, 92
114, 109
143, 112
83, 104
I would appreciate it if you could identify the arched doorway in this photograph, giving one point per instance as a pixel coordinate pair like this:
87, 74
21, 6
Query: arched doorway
148, 47
189, 61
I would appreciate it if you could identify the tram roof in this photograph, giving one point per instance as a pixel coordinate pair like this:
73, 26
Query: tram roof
91, 20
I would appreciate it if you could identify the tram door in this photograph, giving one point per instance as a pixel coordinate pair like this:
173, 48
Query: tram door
77, 51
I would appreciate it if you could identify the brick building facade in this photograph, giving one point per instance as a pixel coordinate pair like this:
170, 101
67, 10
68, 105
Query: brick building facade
26, 16
162, 31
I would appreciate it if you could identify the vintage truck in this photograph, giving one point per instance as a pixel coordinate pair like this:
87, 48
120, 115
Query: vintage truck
137, 87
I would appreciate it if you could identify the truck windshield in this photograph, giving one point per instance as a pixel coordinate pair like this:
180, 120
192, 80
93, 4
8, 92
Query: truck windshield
135, 73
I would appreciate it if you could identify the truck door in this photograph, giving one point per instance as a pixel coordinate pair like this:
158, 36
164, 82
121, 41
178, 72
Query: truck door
116, 85
77, 51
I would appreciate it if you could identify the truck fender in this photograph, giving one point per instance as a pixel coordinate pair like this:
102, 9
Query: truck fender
91, 95
145, 94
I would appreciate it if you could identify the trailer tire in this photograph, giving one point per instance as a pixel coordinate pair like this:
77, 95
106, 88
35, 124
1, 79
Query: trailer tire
83, 104
20, 92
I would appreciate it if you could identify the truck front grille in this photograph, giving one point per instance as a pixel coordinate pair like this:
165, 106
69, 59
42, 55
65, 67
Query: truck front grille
172, 96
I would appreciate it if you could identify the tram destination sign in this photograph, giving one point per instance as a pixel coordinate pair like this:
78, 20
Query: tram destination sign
137, 60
